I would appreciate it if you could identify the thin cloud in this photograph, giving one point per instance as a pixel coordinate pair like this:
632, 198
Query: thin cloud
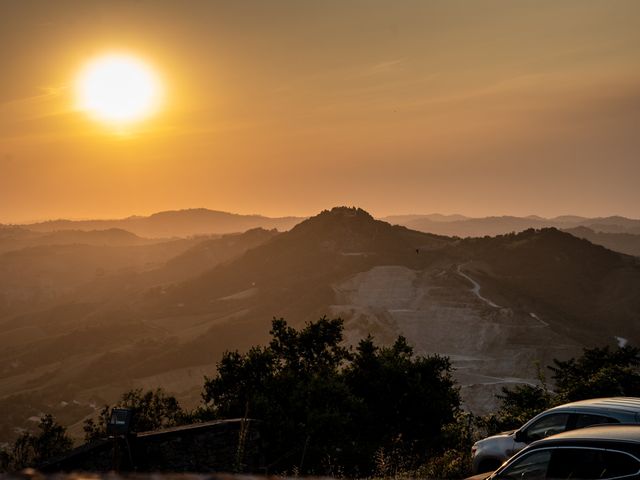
384, 67
47, 93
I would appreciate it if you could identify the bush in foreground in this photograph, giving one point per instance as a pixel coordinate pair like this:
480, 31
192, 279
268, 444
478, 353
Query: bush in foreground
30, 449
325, 405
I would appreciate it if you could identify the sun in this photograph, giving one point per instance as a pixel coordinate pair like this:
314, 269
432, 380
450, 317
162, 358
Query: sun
118, 89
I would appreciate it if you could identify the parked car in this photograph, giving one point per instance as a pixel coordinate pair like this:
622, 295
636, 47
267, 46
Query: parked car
604, 452
490, 453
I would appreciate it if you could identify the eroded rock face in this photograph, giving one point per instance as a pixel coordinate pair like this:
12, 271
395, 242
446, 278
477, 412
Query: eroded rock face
441, 310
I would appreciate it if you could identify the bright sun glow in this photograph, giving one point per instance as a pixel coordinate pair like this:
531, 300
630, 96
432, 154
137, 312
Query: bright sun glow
118, 89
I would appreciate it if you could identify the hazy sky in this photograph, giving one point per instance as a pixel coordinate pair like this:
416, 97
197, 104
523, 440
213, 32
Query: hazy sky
289, 107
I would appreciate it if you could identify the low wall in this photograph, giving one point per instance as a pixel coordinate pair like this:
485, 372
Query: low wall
218, 446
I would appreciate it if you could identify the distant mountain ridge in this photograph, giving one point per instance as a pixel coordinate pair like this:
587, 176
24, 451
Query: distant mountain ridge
201, 221
174, 223
622, 242
16, 238
451, 225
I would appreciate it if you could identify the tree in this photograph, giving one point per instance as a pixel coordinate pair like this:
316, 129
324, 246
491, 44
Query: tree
152, 410
407, 400
293, 386
323, 405
32, 450
599, 372
517, 406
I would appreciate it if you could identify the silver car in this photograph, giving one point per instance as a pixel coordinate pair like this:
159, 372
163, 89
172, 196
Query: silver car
490, 453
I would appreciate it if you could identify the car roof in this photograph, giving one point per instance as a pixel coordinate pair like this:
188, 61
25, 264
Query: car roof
609, 432
622, 404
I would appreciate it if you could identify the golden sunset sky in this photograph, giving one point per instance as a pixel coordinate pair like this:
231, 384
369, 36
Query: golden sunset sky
289, 107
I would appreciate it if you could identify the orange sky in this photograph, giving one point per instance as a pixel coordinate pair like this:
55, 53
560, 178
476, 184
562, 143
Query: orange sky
288, 107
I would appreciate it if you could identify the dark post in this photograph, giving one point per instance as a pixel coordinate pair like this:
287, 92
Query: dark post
118, 427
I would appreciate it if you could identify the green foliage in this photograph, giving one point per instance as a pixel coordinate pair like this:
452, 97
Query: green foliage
294, 386
93, 429
517, 406
323, 405
326, 409
404, 400
51, 441
452, 463
32, 450
455, 459
152, 410
599, 372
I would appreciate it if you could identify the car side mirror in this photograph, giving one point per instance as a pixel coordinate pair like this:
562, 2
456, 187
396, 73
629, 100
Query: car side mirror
520, 436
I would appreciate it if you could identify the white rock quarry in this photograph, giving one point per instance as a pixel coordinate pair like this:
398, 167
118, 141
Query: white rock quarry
441, 310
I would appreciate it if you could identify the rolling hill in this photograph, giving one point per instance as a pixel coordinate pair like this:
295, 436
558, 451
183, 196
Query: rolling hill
494, 305
628, 243
174, 223
15, 238
456, 225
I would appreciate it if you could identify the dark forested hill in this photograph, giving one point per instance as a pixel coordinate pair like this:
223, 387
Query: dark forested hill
456, 225
590, 289
628, 243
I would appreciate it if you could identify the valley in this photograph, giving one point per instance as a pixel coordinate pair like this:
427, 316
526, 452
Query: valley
162, 317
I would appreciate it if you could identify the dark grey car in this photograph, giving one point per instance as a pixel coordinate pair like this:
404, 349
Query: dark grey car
489, 453
603, 452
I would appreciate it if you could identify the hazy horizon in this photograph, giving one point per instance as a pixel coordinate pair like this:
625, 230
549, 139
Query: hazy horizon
302, 215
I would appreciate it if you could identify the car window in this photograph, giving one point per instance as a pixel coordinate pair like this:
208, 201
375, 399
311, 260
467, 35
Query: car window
590, 463
546, 426
578, 463
586, 419
528, 467
619, 464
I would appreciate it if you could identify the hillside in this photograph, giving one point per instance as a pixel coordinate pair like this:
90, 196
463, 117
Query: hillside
456, 225
15, 238
209, 253
44, 273
587, 289
628, 243
175, 223
525, 297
